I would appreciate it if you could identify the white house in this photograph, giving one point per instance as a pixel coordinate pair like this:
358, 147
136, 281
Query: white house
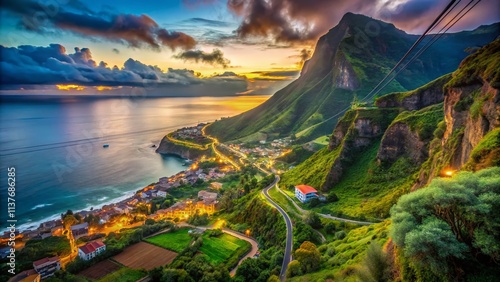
91, 250
162, 193
305, 193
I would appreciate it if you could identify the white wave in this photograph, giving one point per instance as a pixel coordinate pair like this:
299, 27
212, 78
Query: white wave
40, 206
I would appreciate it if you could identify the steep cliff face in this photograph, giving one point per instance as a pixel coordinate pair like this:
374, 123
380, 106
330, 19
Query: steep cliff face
471, 111
349, 60
166, 147
375, 155
409, 135
356, 131
427, 95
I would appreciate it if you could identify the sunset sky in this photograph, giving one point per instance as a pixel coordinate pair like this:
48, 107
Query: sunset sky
183, 47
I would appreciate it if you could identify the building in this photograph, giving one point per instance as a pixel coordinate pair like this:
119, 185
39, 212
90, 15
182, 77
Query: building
80, 230
46, 267
162, 193
91, 250
203, 194
26, 276
305, 193
216, 185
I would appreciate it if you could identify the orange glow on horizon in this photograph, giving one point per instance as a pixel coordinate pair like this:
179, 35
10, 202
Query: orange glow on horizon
68, 87
103, 88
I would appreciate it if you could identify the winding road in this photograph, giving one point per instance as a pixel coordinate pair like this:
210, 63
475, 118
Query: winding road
289, 228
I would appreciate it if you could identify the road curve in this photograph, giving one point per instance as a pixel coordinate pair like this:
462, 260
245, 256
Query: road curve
251, 253
289, 231
321, 214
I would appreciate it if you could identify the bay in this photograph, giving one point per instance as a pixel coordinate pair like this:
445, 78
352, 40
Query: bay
56, 148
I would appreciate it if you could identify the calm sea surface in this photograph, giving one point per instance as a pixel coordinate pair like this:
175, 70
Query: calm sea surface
56, 147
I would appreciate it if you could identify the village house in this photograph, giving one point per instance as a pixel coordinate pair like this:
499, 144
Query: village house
188, 208
46, 267
80, 230
203, 194
122, 209
162, 193
91, 250
216, 185
305, 193
26, 276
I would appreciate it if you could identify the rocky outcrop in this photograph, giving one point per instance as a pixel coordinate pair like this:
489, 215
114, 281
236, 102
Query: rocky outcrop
344, 76
427, 95
399, 140
357, 130
168, 148
474, 109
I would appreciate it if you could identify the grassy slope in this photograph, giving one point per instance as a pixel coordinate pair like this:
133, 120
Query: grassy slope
220, 249
175, 241
312, 171
340, 254
124, 274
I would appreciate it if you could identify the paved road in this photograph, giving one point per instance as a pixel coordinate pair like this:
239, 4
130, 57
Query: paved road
253, 251
321, 214
289, 231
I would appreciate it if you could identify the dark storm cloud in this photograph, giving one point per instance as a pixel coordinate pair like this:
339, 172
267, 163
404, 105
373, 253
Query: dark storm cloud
216, 57
33, 65
291, 21
133, 30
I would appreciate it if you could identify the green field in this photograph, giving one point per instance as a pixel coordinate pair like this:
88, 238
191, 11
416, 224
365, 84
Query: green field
175, 241
124, 274
221, 249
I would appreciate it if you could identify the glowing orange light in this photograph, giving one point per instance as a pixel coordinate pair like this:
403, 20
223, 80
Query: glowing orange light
103, 88
68, 87
449, 172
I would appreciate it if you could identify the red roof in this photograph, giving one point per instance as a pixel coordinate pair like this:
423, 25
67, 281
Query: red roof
91, 247
305, 189
45, 260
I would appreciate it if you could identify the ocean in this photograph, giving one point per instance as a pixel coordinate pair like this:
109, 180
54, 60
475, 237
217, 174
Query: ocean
56, 148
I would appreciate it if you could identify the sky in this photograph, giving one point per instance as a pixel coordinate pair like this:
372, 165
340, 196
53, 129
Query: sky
183, 47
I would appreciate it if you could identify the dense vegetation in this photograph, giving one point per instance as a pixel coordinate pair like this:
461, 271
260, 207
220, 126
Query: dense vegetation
450, 229
484, 64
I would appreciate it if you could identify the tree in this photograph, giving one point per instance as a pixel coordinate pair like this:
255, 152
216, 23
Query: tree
375, 266
451, 221
69, 220
314, 202
248, 270
332, 197
340, 235
273, 278
294, 269
313, 219
330, 228
308, 256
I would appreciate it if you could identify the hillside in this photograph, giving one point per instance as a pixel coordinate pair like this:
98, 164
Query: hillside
349, 60
377, 154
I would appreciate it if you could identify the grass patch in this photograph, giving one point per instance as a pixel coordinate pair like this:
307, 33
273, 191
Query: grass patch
366, 190
487, 152
283, 201
221, 249
124, 274
312, 171
175, 241
341, 254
